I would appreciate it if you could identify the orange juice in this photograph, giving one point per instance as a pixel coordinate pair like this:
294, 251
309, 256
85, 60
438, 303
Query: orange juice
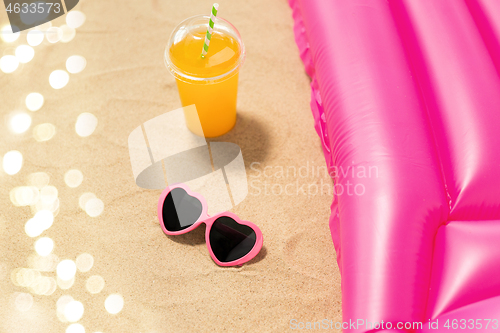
211, 83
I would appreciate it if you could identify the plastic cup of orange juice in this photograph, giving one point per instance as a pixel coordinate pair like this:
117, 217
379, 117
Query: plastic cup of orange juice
211, 83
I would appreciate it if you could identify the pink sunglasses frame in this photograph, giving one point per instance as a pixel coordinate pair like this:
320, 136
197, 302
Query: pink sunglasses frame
209, 221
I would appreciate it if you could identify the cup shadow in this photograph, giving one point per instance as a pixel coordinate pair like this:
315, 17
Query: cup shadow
251, 135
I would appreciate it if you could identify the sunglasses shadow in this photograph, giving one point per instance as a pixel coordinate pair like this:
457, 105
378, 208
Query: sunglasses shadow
194, 237
261, 255
197, 236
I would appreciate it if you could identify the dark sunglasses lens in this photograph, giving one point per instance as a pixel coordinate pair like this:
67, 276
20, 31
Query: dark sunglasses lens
180, 210
230, 240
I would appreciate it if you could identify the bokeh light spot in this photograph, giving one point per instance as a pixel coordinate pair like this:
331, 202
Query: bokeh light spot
12, 162
39, 223
86, 124
34, 37
25, 276
66, 269
73, 311
41, 285
39, 179
34, 101
7, 35
52, 288
73, 178
54, 34
9, 63
84, 262
94, 207
52, 207
75, 328
45, 217
44, 132
32, 228
58, 79
65, 284
95, 284
75, 19
24, 195
24, 302
68, 33
20, 122
44, 246
63, 301
75, 64
61, 304
114, 303
13, 276
48, 194
84, 198
24, 53
43, 264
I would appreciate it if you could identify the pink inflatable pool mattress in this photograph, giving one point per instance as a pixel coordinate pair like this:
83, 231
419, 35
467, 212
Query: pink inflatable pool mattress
406, 101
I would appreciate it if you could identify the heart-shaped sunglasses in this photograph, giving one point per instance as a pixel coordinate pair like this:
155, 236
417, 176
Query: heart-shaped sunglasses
230, 240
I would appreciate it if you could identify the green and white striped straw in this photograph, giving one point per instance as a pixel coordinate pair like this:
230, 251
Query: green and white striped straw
210, 30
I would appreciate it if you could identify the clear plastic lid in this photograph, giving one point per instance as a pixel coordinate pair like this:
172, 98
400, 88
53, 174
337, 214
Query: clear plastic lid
225, 55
